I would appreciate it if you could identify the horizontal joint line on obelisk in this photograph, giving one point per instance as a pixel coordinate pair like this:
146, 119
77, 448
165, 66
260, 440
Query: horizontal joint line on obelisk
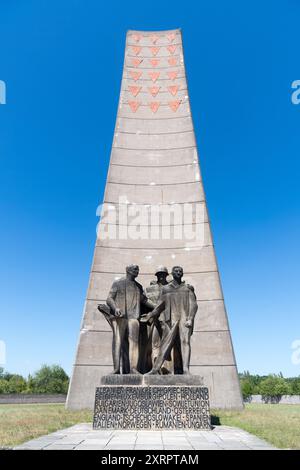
192, 365
147, 104
160, 45
156, 248
155, 119
150, 79
157, 225
129, 44
104, 300
132, 56
155, 57
159, 92
152, 185
151, 273
198, 300
154, 166
195, 330
150, 68
151, 203
149, 149
154, 133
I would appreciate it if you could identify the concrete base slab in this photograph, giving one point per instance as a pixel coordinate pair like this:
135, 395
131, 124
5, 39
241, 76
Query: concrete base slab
83, 437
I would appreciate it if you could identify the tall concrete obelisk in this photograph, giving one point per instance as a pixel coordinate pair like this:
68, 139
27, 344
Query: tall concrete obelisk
154, 162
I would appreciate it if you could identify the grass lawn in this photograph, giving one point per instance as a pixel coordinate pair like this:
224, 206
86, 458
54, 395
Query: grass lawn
278, 424
20, 423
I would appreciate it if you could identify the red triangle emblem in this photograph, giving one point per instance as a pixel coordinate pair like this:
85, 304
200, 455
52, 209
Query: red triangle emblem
172, 75
154, 50
136, 49
171, 36
174, 105
136, 37
173, 89
154, 105
154, 90
154, 75
171, 49
154, 38
134, 105
134, 90
136, 62
154, 62
172, 61
135, 75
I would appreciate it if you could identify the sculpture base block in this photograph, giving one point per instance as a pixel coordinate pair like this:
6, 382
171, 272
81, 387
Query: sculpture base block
156, 379
153, 406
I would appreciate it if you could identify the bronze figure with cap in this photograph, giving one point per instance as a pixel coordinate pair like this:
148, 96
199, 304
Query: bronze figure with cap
158, 329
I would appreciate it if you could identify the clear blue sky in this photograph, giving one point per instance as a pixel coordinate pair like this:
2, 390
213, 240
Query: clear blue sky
62, 62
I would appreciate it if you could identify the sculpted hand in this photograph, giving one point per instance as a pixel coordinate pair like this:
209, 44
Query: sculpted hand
118, 313
150, 315
189, 323
146, 317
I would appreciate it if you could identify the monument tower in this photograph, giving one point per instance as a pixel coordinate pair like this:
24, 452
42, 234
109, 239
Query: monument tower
154, 165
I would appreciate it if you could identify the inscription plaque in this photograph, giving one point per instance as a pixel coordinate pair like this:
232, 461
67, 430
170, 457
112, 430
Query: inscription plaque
152, 407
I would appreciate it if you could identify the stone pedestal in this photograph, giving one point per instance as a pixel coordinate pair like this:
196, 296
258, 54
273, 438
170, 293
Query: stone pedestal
151, 402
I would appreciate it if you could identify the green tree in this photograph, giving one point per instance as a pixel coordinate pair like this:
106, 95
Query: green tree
49, 379
274, 386
16, 383
247, 387
249, 384
11, 383
294, 383
4, 386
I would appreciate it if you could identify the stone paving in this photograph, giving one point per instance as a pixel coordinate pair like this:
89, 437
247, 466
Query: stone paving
83, 437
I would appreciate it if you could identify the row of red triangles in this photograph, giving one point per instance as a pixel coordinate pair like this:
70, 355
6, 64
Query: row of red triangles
153, 49
153, 105
153, 90
137, 74
153, 37
136, 61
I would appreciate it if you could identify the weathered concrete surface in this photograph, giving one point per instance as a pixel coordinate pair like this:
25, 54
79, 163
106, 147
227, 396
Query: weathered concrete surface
22, 398
282, 400
154, 160
83, 437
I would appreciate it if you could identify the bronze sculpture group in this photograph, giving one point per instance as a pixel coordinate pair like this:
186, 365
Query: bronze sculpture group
152, 328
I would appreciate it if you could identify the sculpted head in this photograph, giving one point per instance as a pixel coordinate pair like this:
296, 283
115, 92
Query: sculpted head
177, 273
161, 273
133, 270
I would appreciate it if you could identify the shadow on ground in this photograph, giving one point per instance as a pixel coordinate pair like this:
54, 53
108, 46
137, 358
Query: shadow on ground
215, 420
